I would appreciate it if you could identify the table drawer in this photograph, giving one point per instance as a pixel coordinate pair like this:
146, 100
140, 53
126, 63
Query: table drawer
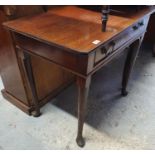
119, 40
130, 33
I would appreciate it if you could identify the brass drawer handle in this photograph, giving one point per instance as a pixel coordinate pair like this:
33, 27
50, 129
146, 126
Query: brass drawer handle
109, 50
103, 50
111, 47
141, 23
112, 44
135, 27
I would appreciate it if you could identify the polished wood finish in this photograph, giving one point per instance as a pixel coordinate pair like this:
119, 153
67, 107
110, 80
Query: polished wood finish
75, 42
48, 82
49, 29
16, 86
82, 39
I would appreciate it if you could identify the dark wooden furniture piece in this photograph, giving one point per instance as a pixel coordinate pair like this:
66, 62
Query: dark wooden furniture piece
74, 41
16, 87
153, 52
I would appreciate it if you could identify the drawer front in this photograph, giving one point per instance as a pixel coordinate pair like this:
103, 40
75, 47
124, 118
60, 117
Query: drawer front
133, 31
121, 39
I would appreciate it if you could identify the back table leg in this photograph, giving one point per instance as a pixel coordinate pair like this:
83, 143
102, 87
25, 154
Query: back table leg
130, 61
153, 51
83, 90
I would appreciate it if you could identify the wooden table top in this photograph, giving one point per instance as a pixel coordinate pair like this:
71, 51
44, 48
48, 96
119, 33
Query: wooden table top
71, 27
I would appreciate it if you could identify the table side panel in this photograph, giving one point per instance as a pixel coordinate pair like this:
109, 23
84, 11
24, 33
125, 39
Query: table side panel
74, 62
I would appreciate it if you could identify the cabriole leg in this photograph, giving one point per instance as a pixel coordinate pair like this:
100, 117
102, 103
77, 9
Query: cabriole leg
83, 90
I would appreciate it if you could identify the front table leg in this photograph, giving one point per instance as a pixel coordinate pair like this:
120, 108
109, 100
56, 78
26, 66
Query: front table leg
28, 68
130, 61
83, 90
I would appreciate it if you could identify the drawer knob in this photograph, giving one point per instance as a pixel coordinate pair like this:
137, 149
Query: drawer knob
103, 50
135, 27
112, 44
141, 23
111, 47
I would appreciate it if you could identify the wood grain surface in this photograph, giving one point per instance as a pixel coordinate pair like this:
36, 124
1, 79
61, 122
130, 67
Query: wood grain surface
71, 27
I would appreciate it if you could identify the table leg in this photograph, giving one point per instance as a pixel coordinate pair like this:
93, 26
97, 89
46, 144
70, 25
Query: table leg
83, 90
28, 69
130, 61
153, 51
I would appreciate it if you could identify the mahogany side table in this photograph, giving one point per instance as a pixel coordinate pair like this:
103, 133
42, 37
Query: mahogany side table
71, 37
